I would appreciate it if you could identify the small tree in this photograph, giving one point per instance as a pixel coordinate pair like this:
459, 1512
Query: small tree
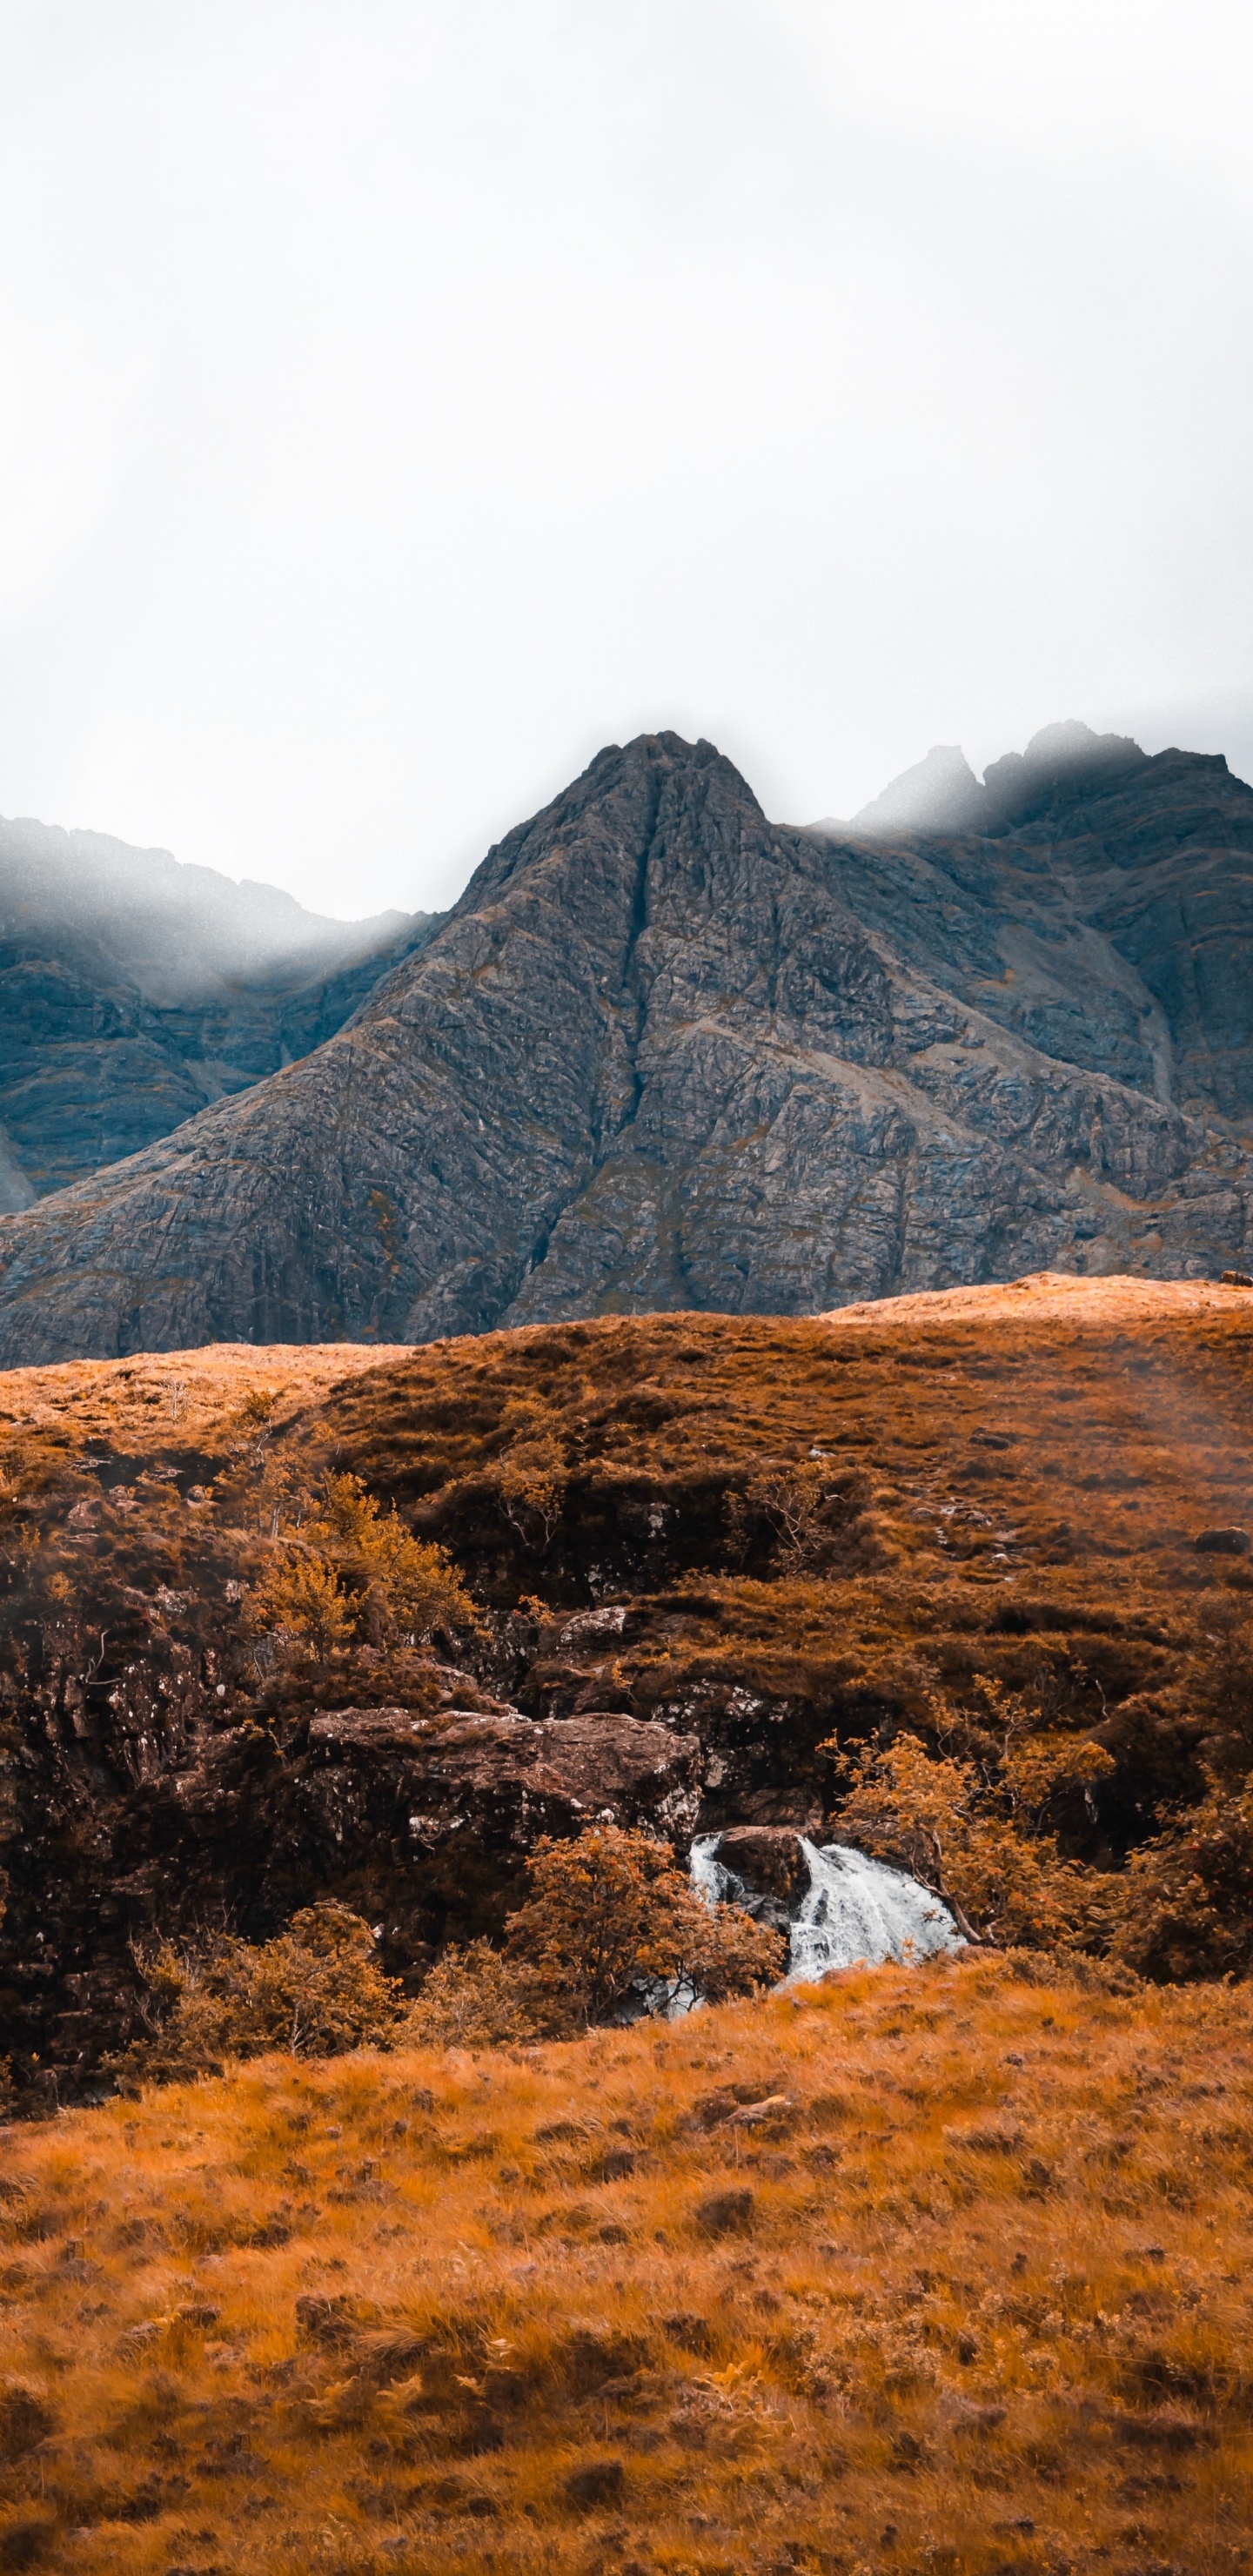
1183, 1907
976, 1844
1038, 1769
476, 1998
301, 1602
531, 1477
730, 1954
413, 1582
791, 1499
610, 1913
340, 1562
316, 1990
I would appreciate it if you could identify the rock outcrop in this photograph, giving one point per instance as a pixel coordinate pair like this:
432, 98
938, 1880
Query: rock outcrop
770, 1858
665, 1054
474, 1785
421, 1820
133, 991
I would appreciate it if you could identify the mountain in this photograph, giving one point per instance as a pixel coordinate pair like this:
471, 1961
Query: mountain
939, 794
942, 793
134, 990
666, 1054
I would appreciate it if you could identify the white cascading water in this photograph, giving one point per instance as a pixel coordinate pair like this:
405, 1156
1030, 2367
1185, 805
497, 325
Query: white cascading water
853, 1909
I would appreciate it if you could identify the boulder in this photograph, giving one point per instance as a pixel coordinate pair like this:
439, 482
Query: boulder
769, 1858
385, 1776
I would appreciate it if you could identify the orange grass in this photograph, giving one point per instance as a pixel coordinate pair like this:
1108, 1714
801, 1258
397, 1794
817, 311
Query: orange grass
1126, 1411
163, 1398
988, 2306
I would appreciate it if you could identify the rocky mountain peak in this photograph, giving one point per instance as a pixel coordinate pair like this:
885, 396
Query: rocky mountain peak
1065, 759
666, 1054
942, 793
624, 794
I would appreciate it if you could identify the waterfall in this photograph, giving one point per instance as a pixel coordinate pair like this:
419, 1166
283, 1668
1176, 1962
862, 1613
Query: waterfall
717, 1885
853, 1909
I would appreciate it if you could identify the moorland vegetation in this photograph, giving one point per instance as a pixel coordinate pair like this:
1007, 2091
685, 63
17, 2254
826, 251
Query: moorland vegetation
933, 1585
943, 2270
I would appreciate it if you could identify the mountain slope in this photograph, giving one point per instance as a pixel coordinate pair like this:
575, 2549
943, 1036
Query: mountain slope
666, 1054
133, 990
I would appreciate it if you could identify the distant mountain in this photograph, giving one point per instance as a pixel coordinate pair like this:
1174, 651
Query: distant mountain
134, 990
664, 1053
942, 793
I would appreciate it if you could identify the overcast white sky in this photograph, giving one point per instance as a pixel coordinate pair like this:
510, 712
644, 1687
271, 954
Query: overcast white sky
401, 398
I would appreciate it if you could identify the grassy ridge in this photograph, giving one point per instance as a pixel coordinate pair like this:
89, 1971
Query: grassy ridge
973, 2294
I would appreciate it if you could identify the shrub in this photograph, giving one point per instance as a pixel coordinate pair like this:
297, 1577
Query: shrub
791, 1500
733, 1955
316, 1990
598, 2482
345, 1563
301, 1603
611, 1914
415, 1584
725, 2213
477, 1998
1183, 1908
530, 1483
25, 2418
976, 1844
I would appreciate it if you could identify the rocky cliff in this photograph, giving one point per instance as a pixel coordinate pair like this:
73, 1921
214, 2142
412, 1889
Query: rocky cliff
134, 990
666, 1054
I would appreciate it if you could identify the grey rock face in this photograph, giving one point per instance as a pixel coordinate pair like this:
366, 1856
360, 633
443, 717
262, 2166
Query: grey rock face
664, 1053
133, 991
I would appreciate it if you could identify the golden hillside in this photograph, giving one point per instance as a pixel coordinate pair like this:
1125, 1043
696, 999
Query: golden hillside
944, 2271
932, 2271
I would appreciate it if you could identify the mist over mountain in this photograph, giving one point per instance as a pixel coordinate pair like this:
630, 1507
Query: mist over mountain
942, 793
666, 1054
133, 990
